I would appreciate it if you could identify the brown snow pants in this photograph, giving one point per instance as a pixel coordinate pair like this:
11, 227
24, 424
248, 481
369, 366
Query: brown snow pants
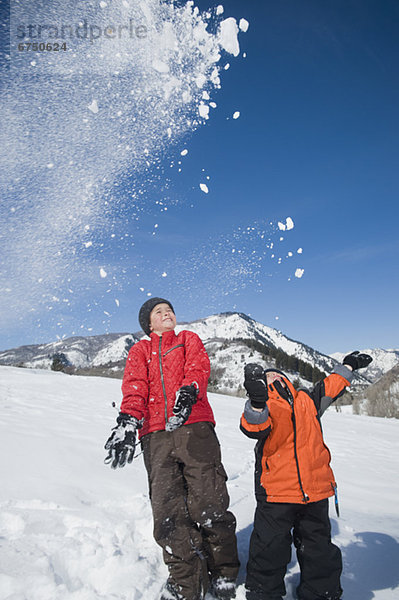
189, 499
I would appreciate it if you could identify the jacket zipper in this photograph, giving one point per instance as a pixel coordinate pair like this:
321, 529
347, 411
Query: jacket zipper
162, 379
174, 347
305, 497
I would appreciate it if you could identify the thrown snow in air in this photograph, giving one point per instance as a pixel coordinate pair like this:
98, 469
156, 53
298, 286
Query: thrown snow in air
228, 36
93, 106
299, 272
289, 224
244, 25
240, 259
204, 188
78, 123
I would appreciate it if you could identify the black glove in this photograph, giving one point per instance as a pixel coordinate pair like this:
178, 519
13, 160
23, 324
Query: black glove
186, 397
357, 360
122, 441
255, 384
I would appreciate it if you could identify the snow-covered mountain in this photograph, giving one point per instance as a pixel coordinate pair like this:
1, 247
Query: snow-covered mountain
73, 529
80, 352
383, 361
231, 339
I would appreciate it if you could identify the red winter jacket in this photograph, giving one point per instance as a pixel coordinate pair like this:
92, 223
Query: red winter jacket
156, 369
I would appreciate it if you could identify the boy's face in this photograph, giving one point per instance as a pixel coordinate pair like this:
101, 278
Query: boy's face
162, 318
272, 376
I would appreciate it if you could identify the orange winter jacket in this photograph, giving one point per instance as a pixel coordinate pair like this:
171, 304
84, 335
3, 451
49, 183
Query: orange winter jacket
292, 460
156, 369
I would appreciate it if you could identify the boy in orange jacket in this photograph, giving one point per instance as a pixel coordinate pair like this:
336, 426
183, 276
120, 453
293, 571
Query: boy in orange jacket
293, 481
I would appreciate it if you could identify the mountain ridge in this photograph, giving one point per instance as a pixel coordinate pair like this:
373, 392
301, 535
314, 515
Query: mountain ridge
231, 339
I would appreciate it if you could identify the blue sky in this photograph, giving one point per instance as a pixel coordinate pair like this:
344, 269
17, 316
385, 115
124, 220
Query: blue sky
317, 141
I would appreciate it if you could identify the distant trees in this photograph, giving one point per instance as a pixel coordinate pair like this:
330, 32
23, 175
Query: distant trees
382, 403
61, 363
382, 398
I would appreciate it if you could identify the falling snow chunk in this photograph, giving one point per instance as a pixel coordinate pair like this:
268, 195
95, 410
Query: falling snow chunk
184, 152
228, 36
300, 250
164, 274
103, 4
200, 80
88, 244
203, 110
160, 66
219, 10
243, 25
50, 165
289, 223
116, 301
103, 273
93, 107
299, 273
204, 188
236, 114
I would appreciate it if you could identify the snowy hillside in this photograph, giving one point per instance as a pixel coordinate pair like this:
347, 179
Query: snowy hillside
383, 361
73, 529
383, 396
80, 352
225, 336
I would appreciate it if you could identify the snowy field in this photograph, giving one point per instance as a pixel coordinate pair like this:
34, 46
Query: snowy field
71, 528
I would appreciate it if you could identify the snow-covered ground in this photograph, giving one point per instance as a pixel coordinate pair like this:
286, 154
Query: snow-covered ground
71, 528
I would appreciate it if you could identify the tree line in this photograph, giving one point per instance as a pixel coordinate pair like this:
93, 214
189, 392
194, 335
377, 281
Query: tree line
284, 361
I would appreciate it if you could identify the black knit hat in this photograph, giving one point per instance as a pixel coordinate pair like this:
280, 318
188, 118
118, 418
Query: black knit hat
145, 312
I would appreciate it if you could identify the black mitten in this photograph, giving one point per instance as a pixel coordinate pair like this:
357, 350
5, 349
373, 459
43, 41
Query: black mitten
255, 384
357, 360
186, 397
122, 442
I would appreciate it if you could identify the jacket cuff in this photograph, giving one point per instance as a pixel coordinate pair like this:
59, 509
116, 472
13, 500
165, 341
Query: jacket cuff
253, 417
344, 372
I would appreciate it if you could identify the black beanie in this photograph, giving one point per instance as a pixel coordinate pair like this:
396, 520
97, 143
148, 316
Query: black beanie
145, 311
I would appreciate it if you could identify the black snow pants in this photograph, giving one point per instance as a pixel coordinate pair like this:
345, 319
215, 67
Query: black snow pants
189, 500
276, 526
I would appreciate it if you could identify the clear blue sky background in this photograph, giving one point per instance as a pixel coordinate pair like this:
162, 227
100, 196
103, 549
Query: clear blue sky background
317, 140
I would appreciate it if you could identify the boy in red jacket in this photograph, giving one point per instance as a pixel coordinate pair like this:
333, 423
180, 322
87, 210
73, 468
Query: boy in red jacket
293, 481
165, 400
